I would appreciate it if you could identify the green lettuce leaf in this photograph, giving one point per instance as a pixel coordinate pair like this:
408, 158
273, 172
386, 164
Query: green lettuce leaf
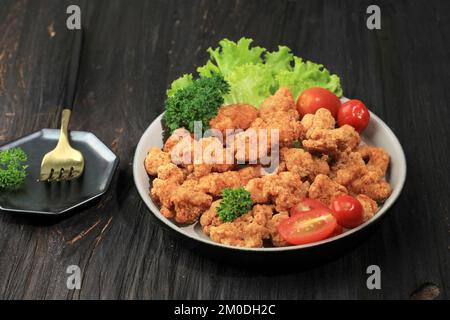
254, 73
307, 75
279, 60
230, 55
249, 83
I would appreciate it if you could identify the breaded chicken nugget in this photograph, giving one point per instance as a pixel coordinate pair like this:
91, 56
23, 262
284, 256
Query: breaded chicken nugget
249, 230
325, 189
370, 207
377, 159
304, 164
234, 116
281, 101
273, 224
155, 158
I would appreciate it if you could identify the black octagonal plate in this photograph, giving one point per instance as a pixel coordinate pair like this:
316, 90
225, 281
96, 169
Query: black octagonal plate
56, 198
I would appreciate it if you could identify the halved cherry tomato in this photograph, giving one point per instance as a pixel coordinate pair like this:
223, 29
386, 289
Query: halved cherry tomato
307, 204
355, 114
311, 226
348, 211
313, 99
337, 231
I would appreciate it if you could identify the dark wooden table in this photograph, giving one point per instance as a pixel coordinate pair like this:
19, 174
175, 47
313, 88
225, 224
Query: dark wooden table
133, 50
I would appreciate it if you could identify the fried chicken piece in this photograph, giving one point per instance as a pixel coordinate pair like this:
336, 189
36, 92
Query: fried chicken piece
171, 172
325, 189
155, 158
175, 138
278, 119
284, 190
272, 225
351, 171
371, 185
162, 191
347, 167
331, 142
211, 156
278, 112
304, 164
370, 207
256, 189
248, 146
249, 230
321, 120
377, 159
189, 204
202, 156
289, 128
210, 218
177, 197
181, 150
170, 177
215, 183
282, 101
234, 116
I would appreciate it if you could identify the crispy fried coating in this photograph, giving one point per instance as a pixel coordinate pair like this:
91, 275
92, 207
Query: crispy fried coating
284, 190
347, 167
211, 156
249, 230
325, 189
273, 224
210, 218
351, 171
377, 159
371, 185
256, 189
370, 207
189, 204
177, 197
330, 142
234, 116
289, 128
169, 179
282, 101
155, 158
171, 172
321, 120
215, 183
250, 145
304, 164
175, 138
202, 156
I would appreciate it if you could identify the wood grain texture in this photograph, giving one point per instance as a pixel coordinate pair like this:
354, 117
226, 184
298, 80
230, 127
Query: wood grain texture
133, 50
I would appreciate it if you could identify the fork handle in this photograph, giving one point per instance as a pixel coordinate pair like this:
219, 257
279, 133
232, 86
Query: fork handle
73, 70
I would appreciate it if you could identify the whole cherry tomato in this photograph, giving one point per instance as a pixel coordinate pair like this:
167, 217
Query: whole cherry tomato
355, 114
348, 211
313, 99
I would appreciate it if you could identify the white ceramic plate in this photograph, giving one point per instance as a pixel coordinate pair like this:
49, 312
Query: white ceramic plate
377, 134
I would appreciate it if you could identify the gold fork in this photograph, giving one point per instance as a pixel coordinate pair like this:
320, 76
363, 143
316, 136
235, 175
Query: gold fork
65, 162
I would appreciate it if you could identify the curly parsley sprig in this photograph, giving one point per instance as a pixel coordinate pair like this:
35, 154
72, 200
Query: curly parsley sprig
12, 168
198, 101
234, 203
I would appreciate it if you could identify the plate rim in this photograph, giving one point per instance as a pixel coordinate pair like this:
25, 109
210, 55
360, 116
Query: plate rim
144, 194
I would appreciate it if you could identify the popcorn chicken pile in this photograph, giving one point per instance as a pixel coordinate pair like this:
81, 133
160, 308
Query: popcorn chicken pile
317, 160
